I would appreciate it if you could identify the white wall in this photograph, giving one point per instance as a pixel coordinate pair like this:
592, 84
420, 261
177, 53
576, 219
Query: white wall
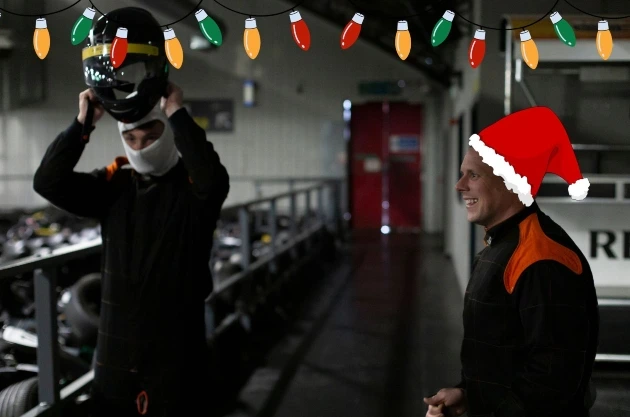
288, 134
432, 166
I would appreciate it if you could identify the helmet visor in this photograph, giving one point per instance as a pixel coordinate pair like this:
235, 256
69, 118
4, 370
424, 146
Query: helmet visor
142, 62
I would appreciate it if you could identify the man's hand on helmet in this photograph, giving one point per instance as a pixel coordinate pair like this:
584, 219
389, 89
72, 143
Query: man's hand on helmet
83, 107
173, 101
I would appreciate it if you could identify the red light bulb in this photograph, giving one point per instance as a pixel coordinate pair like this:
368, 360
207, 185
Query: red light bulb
119, 48
351, 32
477, 49
299, 30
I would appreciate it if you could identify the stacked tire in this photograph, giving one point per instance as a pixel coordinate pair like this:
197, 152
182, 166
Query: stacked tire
17, 399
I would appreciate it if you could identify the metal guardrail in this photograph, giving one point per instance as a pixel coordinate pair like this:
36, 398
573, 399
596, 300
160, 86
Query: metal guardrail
57, 257
248, 178
617, 190
46, 269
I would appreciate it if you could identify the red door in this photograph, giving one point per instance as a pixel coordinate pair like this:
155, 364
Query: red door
404, 165
385, 165
366, 163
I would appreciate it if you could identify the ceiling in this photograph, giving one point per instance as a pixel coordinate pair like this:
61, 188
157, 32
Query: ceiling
379, 26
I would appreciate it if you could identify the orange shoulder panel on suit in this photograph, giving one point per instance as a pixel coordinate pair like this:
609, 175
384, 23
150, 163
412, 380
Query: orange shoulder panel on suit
114, 166
534, 245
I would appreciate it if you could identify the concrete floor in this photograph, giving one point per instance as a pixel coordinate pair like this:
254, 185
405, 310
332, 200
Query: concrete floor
383, 331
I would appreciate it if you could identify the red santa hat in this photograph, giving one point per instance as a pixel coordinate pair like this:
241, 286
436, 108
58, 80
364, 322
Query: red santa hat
523, 146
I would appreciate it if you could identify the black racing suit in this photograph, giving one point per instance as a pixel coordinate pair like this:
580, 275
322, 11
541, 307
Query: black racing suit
531, 322
157, 236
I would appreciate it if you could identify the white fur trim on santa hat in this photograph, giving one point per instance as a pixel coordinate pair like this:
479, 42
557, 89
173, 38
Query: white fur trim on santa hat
579, 189
513, 181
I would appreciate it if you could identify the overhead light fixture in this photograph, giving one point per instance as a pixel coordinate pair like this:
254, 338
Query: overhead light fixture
199, 43
249, 93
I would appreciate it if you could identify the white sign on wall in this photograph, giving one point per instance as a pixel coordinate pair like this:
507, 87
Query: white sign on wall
602, 232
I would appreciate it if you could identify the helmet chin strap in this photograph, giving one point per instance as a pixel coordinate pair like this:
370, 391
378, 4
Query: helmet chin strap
159, 157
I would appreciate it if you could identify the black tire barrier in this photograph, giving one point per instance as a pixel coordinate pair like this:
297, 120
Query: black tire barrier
17, 399
82, 310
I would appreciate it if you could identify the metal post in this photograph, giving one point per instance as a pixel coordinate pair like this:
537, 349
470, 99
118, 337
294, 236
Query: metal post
258, 215
293, 209
246, 252
259, 195
518, 77
273, 231
321, 215
507, 86
47, 344
344, 197
330, 217
293, 229
307, 213
307, 210
336, 214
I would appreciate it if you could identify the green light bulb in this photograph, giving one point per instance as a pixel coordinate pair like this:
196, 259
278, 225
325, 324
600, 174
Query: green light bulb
442, 28
209, 27
563, 29
82, 26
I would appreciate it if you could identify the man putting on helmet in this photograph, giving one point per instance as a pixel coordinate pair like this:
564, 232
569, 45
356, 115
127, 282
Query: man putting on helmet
158, 209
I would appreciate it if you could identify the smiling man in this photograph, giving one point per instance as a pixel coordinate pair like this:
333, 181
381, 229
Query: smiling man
531, 317
488, 201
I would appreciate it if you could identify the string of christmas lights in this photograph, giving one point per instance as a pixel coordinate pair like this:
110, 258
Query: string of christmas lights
529, 50
302, 37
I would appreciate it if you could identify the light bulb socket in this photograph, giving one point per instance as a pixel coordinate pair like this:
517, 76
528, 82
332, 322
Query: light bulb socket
121, 33
525, 36
250, 23
555, 17
169, 34
41, 23
200, 15
448, 16
480, 34
358, 18
295, 16
89, 13
402, 25
602, 25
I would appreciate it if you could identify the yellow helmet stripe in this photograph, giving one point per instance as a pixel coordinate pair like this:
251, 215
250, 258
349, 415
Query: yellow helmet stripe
132, 48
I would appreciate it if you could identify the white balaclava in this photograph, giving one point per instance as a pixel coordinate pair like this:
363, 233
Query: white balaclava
159, 157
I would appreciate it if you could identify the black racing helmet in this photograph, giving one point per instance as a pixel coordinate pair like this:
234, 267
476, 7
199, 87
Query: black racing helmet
131, 91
